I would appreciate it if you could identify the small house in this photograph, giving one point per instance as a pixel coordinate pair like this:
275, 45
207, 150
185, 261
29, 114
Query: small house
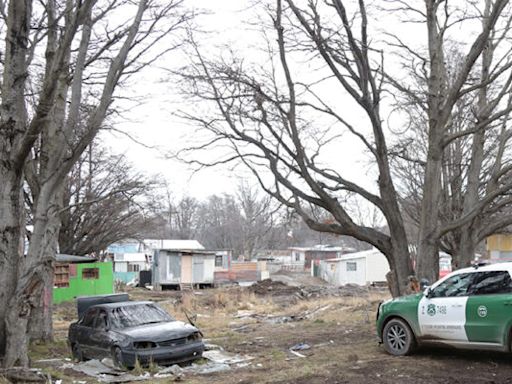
361, 268
128, 265
81, 276
182, 268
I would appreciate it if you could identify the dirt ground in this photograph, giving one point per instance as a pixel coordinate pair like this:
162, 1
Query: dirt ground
266, 320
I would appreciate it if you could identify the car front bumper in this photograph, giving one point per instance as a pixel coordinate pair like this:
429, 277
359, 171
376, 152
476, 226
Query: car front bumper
163, 355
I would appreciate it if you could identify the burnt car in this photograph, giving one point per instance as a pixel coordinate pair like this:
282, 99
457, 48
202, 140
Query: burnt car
128, 331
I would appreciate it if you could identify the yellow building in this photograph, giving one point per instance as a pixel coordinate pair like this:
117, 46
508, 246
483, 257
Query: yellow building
499, 247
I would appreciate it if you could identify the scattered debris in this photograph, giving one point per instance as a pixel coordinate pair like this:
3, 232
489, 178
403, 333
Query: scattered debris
105, 374
24, 375
211, 347
300, 347
217, 360
174, 370
297, 354
209, 368
223, 357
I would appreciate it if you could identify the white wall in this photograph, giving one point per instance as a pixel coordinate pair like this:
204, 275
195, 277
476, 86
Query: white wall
120, 266
377, 267
346, 276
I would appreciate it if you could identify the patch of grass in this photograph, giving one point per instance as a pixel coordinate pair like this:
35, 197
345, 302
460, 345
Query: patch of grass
49, 350
153, 367
55, 374
277, 354
137, 369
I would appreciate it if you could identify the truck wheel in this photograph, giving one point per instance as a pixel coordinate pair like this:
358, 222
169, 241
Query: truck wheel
76, 352
398, 338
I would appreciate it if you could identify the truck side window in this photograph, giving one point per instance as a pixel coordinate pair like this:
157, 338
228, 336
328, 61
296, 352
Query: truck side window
492, 282
455, 286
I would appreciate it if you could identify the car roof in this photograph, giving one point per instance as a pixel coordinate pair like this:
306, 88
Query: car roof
121, 304
487, 267
478, 268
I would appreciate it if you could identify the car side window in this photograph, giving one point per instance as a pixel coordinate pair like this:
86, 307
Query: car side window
101, 320
88, 319
454, 286
492, 282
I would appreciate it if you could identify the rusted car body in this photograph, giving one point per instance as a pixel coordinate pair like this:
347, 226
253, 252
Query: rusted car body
133, 330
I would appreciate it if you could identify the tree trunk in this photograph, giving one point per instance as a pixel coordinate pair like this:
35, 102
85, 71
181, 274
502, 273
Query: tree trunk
40, 325
428, 247
465, 253
32, 275
400, 270
10, 245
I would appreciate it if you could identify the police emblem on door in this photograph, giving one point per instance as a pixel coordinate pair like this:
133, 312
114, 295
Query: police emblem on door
431, 309
482, 311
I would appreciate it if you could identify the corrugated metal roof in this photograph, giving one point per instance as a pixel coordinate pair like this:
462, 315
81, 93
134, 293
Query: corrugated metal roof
173, 244
63, 258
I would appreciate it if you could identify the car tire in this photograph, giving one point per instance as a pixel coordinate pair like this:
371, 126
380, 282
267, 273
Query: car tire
117, 358
76, 352
398, 338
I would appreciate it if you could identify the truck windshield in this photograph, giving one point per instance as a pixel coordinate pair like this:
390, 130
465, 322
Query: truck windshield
134, 315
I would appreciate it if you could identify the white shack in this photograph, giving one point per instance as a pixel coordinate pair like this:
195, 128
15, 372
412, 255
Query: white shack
360, 268
183, 268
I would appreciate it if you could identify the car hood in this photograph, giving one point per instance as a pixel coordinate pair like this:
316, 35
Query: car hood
159, 331
408, 298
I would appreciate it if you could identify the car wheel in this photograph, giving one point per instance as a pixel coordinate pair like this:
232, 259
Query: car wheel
398, 338
117, 358
76, 352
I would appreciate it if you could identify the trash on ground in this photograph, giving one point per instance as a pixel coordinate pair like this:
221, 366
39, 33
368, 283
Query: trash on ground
106, 374
223, 357
300, 347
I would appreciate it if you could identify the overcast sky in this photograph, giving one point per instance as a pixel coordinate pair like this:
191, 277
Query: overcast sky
154, 122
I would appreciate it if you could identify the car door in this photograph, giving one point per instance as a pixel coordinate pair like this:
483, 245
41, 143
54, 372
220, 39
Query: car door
489, 307
99, 340
442, 312
84, 328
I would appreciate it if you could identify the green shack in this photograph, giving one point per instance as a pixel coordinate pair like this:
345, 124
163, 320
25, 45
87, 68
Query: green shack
81, 276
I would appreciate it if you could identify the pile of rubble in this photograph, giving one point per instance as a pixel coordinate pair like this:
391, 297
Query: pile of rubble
269, 287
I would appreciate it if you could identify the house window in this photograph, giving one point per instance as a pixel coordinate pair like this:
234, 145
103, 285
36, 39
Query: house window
297, 256
218, 261
91, 273
133, 267
351, 266
61, 276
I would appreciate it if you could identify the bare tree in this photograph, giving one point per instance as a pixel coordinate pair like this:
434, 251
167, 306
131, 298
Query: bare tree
277, 122
87, 56
453, 163
105, 202
219, 224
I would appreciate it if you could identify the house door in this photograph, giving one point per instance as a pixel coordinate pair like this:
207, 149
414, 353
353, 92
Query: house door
198, 269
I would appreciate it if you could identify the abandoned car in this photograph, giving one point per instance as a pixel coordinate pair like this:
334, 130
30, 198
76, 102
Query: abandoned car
469, 308
130, 331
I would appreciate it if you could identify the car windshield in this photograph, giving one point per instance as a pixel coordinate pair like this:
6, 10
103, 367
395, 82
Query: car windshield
140, 314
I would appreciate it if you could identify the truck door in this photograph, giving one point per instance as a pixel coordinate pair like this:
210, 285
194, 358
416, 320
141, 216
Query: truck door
442, 313
489, 307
